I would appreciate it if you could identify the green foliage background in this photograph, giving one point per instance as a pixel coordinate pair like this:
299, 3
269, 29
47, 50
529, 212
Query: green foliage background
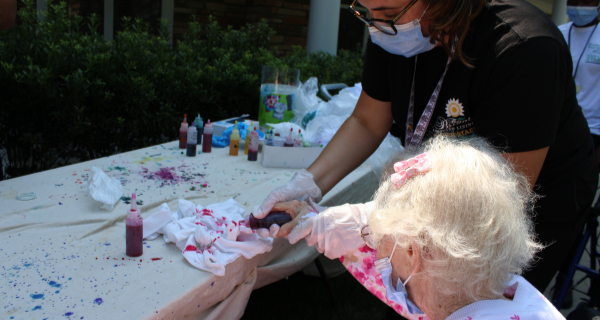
67, 95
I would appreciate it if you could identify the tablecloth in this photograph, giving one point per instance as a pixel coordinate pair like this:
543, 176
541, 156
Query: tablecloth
64, 257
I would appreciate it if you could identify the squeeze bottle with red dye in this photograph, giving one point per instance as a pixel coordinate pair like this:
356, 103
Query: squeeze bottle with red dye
207, 137
253, 147
183, 133
275, 217
298, 141
134, 230
289, 141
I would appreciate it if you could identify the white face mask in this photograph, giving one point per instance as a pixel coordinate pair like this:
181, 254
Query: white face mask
408, 42
398, 294
581, 16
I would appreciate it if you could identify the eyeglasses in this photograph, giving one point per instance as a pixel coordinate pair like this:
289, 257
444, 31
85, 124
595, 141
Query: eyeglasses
365, 233
380, 24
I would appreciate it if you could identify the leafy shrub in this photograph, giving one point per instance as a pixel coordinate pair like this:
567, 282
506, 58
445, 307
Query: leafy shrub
67, 95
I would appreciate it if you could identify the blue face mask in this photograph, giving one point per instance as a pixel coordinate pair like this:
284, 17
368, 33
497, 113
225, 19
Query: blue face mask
582, 15
408, 42
399, 294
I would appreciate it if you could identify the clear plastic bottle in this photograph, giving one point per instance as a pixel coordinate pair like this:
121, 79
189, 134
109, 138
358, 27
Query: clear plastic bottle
199, 124
298, 140
207, 137
253, 147
191, 141
134, 225
275, 217
183, 133
248, 131
234, 141
289, 141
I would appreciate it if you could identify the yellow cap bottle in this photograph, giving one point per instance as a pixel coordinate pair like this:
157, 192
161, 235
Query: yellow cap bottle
234, 141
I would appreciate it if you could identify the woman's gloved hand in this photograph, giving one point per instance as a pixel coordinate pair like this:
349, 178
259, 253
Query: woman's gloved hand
334, 232
301, 188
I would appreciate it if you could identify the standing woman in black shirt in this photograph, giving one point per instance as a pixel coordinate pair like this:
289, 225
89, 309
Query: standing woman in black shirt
498, 69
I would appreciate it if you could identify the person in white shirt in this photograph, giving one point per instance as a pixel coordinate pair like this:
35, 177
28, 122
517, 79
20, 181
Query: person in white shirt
583, 39
451, 231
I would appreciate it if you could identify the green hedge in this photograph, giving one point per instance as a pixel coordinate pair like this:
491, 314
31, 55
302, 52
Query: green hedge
67, 95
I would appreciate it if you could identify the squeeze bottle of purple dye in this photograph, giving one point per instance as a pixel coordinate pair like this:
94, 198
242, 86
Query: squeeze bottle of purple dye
191, 141
207, 137
253, 147
275, 217
289, 141
134, 230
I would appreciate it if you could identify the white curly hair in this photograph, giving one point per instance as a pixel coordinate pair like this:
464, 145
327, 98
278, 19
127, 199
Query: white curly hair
469, 216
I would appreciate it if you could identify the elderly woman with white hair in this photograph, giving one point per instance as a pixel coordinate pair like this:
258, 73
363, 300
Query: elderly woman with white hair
451, 234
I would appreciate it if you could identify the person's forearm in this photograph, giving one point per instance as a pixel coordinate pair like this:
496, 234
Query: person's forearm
349, 148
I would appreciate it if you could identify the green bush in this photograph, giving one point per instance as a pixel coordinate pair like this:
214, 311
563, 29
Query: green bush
67, 95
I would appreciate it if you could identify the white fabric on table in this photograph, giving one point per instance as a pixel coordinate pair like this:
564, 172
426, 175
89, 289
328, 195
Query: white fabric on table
210, 237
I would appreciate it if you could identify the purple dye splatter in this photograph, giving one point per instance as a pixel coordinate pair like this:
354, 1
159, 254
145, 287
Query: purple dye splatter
54, 284
68, 314
98, 301
37, 308
37, 296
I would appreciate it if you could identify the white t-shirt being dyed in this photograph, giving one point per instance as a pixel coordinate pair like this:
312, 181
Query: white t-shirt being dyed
588, 73
527, 304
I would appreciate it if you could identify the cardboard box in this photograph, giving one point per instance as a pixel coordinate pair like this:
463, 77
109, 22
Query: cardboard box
295, 158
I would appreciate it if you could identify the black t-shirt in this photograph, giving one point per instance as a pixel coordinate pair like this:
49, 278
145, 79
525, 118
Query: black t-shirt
520, 95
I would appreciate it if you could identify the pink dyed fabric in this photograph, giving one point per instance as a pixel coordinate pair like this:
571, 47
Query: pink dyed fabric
361, 265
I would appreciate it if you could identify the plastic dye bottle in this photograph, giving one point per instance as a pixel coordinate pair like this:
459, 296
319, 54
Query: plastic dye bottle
248, 131
199, 124
269, 141
183, 133
275, 217
191, 141
134, 230
207, 136
289, 141
305, 142
298, 141
277, 134
253, 148
234, 141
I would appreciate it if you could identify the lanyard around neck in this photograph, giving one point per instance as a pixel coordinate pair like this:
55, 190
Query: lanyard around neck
414, 136
584, 47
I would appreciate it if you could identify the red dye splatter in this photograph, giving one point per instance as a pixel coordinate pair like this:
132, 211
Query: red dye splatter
156, 259
122, 258
234, 223
189, 248
96, 258
223, 218
107, 258
206, 212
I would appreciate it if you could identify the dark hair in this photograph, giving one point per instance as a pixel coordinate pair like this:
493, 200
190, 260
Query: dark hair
449, 23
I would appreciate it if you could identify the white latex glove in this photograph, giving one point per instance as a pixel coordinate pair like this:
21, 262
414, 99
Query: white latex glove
301, 187
334, 232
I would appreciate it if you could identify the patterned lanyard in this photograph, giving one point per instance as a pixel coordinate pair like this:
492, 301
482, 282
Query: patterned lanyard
584, 47
414, 137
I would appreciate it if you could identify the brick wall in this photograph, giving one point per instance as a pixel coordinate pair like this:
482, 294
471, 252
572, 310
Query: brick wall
288, 18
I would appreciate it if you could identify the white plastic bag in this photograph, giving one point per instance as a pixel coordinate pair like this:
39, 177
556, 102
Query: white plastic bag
104, 188
390, 147
306, 100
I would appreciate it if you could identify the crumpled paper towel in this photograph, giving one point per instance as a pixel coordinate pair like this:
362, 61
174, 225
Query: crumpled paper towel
104, 188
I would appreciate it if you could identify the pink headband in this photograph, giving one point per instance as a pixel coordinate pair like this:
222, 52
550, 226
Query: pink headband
406, 169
